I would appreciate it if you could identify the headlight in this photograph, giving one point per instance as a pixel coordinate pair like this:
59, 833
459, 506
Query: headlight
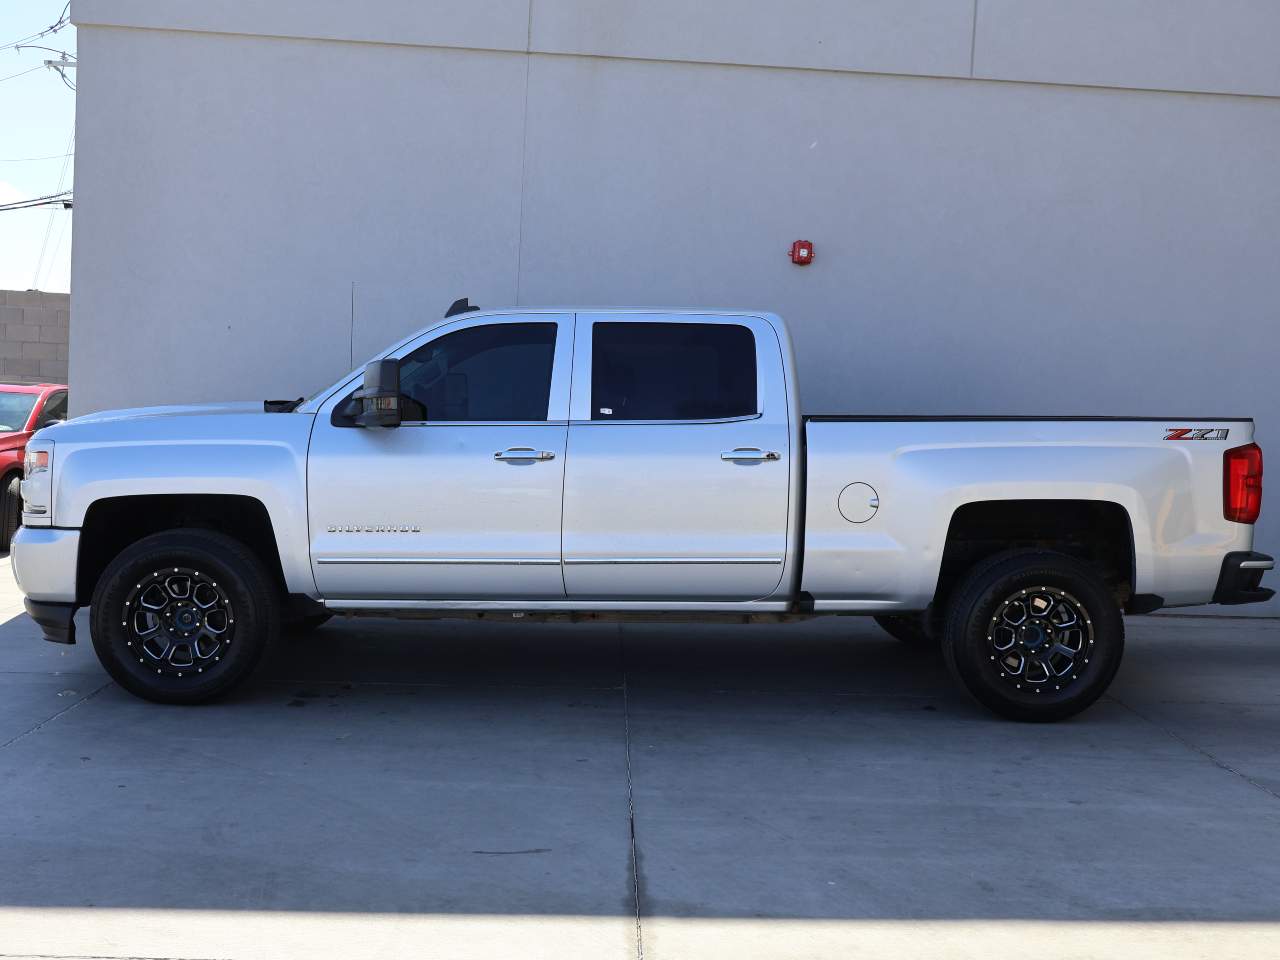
36, 461
37, 484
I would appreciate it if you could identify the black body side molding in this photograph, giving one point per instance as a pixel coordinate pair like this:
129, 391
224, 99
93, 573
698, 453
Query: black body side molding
1141, 603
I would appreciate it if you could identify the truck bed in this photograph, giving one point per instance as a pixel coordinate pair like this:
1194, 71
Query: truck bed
920, 471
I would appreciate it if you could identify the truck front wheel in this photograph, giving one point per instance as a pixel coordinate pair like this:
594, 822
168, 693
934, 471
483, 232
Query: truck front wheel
184, 616
1034, 635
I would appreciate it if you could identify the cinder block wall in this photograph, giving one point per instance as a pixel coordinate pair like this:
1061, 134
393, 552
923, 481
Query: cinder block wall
34, 331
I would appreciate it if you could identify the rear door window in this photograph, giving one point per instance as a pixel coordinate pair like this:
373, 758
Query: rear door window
672, 371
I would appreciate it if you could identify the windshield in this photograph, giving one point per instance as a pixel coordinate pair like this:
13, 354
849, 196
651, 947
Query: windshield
14, 410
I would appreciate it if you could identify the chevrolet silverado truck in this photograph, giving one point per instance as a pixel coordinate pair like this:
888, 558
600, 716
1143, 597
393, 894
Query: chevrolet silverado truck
599, 464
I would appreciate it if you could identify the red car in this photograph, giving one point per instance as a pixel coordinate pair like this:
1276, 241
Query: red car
24, 409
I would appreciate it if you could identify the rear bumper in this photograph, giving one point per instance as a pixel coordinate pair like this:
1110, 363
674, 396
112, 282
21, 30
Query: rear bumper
56, 620
1241, 578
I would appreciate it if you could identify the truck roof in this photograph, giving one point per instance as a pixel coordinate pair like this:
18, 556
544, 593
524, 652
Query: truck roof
677, 311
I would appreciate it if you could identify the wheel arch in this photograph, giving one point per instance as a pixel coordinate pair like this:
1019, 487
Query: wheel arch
113, 523
1096, 531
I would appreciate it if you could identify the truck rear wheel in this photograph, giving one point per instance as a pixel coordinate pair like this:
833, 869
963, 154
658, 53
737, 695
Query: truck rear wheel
1034, 635
184, 616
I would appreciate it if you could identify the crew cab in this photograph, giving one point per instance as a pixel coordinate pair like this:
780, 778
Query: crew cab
586, 464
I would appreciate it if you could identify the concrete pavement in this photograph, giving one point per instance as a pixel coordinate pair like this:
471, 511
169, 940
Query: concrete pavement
494, 790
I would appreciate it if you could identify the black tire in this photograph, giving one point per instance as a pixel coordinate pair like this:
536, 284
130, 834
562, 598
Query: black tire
243, 599
908, 628
10, 510
1050, 587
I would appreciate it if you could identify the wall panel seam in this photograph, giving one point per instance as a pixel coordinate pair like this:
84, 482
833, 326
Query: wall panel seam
973, 39
1071, 84
524, 152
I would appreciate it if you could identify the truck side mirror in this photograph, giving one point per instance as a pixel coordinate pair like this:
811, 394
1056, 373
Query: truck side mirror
380, 397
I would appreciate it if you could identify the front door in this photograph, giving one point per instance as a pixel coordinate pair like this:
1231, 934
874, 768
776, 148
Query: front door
463, 500
679, 459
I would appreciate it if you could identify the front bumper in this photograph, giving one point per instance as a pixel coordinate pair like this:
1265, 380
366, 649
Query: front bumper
1241, 578
56, 620
44, 563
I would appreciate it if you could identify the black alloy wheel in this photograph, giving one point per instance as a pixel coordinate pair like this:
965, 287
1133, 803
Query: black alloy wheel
179, 620
1034, 635
184, 616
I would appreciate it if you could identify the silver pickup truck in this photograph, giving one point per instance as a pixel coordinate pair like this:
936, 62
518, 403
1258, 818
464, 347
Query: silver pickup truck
588, 464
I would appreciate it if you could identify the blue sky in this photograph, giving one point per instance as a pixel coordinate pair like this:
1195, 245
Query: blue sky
37, 119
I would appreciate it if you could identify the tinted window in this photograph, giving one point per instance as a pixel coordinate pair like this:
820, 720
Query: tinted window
501, 371
54, 409
672, 371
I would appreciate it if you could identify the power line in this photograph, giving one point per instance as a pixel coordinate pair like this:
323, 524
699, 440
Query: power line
62, 199
56, 156
22, 73
62, 177
66, 61
62, 233
65, 55
53, 28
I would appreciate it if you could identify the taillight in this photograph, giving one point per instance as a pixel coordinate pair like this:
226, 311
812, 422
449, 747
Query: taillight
1242, 483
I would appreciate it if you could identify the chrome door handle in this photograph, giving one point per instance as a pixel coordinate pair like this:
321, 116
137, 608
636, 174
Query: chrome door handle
524, 453
750, 453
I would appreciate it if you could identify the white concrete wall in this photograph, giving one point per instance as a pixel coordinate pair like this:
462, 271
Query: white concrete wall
1063, 206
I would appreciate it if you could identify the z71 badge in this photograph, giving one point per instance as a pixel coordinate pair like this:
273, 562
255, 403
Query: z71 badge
1189, 433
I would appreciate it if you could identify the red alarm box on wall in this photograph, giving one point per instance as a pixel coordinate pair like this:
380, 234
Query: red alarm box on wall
802, 253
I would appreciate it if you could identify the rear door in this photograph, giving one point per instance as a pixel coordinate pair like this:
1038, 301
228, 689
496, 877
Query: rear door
676, 484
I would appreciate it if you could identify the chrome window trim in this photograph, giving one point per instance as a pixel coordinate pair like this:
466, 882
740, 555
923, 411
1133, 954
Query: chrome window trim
484, 423
663, 423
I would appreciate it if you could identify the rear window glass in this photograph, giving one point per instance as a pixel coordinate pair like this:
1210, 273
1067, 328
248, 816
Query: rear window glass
672, 371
